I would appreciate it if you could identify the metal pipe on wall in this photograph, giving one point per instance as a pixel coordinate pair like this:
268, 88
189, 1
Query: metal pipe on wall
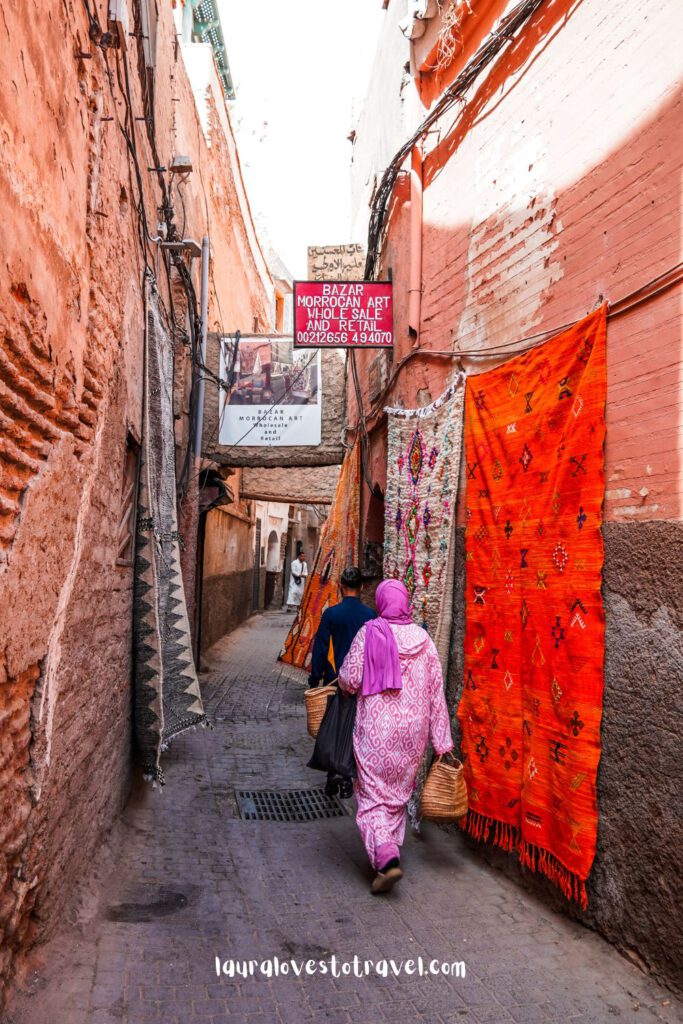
204, 309
415, 281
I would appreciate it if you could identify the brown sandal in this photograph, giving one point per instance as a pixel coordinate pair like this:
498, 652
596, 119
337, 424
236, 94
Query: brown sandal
385, 881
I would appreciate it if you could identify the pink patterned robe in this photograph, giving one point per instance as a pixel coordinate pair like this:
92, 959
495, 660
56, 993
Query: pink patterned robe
391, 734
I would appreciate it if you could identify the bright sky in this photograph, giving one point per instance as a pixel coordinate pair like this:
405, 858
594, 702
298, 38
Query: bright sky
300, 71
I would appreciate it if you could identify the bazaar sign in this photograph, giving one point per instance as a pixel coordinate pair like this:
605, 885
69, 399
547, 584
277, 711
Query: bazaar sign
343, 314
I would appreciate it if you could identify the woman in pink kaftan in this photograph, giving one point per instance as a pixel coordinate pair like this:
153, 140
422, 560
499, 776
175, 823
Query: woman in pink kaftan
393, 667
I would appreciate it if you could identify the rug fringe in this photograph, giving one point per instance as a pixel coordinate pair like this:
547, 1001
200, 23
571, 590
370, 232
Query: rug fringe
506, 836
153, 773
535, 858
189, 725
544, 863
479, 826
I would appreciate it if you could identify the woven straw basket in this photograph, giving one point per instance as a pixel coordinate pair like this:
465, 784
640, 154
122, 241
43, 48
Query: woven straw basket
316, 704
444, 797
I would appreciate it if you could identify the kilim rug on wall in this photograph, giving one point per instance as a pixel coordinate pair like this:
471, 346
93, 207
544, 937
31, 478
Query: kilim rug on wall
338, 549
423, 467
167, 697
532, 698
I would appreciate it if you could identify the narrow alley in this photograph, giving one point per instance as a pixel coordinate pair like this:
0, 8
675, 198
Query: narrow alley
341, 395
184, 879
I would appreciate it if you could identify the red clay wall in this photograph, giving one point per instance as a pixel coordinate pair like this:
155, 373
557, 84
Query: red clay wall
558, 186
228, 583
71, 325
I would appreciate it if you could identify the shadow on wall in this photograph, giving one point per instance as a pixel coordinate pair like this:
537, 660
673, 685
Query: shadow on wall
604, 236
503, 75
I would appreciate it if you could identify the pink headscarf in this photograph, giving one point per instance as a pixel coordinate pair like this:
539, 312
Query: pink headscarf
381, 666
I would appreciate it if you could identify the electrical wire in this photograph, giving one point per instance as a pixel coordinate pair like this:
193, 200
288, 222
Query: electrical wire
644, 293
207, 213
195, 330
213, 442
133, 163
215, 434
486, 53
94, 31
145, 237
178, 189
166, 211
229, 377
216, 379
219, 420
496, 40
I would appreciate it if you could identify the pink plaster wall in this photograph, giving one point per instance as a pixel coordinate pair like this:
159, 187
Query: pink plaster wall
558, 184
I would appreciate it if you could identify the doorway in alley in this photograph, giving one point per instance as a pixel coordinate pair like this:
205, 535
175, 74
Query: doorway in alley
256, 584
272, 569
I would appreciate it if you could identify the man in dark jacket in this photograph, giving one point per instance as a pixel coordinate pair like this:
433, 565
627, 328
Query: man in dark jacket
338, 627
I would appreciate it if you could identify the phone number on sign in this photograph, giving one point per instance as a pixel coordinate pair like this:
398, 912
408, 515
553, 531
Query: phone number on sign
343, 338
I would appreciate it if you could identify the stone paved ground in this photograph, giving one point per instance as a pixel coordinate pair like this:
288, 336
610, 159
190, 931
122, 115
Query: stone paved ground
192, 881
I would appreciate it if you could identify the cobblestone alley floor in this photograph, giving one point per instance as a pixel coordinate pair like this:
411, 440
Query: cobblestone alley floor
191, 881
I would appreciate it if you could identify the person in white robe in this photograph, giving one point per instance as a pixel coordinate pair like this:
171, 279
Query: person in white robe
297, 581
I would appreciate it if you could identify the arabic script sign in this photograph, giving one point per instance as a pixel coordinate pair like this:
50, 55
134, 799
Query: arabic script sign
336, 262
343, 314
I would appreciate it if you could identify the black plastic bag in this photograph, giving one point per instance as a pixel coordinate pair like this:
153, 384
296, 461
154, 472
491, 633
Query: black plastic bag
333, 750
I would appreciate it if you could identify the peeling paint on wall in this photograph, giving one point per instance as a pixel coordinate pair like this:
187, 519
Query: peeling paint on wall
514, 214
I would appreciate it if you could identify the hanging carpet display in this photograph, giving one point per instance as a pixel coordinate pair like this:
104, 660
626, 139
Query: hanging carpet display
419, 507
338, 549
532, 698
167, 697
423, 468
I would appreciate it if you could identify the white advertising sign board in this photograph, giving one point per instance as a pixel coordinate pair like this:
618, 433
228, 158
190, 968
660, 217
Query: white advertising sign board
274, 393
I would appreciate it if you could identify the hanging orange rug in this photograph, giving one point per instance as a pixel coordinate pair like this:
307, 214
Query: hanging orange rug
532, 698
338, 549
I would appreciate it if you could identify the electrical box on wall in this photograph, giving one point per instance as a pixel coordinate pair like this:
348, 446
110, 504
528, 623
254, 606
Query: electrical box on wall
118, 21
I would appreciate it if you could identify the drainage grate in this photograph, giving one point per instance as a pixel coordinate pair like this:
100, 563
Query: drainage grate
293, 805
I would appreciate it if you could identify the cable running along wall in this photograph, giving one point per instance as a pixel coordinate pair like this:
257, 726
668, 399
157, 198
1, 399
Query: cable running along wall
487, 52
